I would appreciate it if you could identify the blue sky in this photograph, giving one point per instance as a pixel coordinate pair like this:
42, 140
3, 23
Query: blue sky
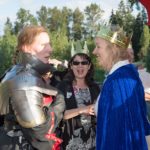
9, 8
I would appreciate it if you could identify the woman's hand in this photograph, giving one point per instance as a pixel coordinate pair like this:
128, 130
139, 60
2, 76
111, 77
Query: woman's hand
87, 110
147, 96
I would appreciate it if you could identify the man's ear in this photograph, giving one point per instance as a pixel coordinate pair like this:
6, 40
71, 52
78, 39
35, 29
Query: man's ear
26, 48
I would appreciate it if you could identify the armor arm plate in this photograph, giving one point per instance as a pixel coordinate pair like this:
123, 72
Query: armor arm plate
27, 105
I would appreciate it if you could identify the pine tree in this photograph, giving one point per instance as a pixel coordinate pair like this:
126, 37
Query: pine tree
148, 59
144, 41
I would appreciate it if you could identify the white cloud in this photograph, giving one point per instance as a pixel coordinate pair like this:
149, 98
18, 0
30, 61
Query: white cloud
3, 2
78, 3
26, 2
108, 8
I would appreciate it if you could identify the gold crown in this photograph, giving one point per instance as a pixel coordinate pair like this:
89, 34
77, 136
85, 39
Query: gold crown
115, 35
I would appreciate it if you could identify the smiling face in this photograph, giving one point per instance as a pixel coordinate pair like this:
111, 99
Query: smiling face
80, 67
40, 47
101, 51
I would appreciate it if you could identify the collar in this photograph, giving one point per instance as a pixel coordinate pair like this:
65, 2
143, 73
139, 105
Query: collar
118, 65
32, 62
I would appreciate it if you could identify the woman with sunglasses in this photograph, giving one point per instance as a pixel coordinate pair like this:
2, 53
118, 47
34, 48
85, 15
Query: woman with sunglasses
80, 93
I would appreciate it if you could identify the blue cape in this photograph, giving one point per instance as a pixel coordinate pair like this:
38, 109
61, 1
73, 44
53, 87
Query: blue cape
122, 121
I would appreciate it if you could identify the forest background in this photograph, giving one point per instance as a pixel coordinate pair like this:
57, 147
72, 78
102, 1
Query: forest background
67, 27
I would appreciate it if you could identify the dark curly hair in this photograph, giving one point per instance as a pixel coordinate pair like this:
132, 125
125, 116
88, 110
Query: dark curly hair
88, 78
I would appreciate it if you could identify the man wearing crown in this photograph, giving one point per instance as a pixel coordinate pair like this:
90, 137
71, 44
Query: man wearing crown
121, 110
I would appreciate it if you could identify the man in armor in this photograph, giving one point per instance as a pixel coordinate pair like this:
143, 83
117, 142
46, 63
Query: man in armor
32, 108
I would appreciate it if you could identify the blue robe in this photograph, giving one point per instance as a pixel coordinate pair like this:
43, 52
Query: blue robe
122, 122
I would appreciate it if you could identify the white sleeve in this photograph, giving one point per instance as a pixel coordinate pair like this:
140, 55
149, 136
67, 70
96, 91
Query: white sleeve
96, 105
147, 90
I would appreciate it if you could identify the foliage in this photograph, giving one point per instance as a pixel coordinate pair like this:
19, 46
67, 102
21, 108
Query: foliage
137, 32
144, 41
24, 17
77, 27
60, 45
8, 29
54, 23
93, 15
66, 19
7, 48
123, 17
132, 2
99, 75
43, 16
148, 59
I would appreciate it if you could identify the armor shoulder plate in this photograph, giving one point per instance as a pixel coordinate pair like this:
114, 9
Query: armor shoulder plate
4, 88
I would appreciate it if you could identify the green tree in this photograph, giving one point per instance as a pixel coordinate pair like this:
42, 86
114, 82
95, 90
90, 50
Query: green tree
93, 14
123, 17
121, 13
60, 45
42, 16
132, 2
24, 17
54, 20
144, 41
8, 27
148, 59
77, 27
113, 18
137, 32
66, 20
7, 48
144, 16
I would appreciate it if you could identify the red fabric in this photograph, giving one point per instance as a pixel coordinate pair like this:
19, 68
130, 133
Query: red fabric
52, 136
146, 4
57, 140
47, 100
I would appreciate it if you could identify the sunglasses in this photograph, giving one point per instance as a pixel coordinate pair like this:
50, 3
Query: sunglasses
76, 63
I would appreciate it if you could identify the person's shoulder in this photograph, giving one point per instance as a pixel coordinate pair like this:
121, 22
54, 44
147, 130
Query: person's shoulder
63, 84
122, 77
11, 73
95, 84
94, 87
126, 70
